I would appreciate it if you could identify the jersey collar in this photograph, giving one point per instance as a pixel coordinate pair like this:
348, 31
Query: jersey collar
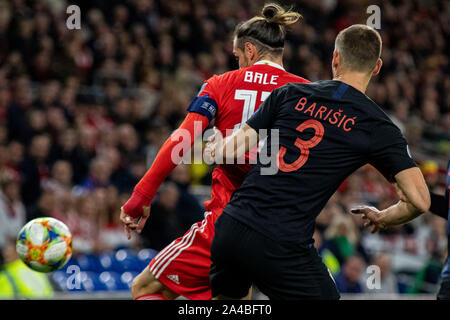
270, 63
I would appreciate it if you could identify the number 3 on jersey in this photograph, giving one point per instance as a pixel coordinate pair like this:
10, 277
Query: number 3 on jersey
303, 145
249, 97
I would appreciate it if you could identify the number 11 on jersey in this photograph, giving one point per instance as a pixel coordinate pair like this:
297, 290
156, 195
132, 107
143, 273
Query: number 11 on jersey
249, 97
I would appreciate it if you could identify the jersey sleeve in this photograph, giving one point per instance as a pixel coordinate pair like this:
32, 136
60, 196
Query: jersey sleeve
389, 151
206, 101
439, 205
265, 115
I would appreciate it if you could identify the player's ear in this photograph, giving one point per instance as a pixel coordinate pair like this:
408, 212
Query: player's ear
251, 52
377, 68
247, 49
336, 60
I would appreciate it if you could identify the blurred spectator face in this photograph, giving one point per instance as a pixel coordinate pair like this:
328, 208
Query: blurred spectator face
101, 197
402, 110
69, 140
165, 50
26, 27
138, 168
108, 44
353, 269
67, 98
47, 202
5, 15
109, 138
5, 96
15, 153
122, 108
144, 5
56, 119
9, 252
430, 111
65, 202
111, 156
23, 93
88, 138
88, 206
37, 120
128, 137
62, 172
168, 197
343, 226
40, 145
100, 170
46, 44
112, 90
95, 17
446, 123
12, 190
120, 15
414, 131
4, 157
111, 196
181, 174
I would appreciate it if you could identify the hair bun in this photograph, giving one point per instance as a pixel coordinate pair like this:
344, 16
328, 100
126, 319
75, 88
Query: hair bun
273, 13
269, 12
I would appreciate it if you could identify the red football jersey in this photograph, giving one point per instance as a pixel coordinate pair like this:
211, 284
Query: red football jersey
237, 95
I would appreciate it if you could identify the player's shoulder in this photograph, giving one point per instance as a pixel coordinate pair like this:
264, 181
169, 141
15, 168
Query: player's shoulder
321, 87
295, 84
379, 119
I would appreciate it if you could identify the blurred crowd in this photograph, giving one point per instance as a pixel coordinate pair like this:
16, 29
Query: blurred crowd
84, 112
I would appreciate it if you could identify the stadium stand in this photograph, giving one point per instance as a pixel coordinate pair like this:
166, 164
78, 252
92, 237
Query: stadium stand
84, 112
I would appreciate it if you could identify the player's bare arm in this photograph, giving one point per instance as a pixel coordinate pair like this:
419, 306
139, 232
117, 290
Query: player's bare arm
414, 200
232, 147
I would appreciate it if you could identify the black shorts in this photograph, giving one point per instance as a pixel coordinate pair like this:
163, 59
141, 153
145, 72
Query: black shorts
444, 291
242, 256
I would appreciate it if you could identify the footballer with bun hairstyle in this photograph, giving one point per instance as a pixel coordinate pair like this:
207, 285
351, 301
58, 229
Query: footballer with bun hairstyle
182, 268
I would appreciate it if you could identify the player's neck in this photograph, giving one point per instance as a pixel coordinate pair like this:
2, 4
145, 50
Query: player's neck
278, 61
357, 80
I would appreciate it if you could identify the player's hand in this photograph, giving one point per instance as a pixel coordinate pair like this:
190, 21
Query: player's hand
131, 224
214, 142
371, 216
134, 213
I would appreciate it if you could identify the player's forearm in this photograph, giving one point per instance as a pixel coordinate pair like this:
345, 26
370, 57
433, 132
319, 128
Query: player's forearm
165, 161
238, 144
398, 214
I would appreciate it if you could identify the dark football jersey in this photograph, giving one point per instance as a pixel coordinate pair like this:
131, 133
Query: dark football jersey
327, 130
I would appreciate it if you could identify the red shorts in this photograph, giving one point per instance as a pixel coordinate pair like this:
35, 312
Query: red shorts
183, 266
